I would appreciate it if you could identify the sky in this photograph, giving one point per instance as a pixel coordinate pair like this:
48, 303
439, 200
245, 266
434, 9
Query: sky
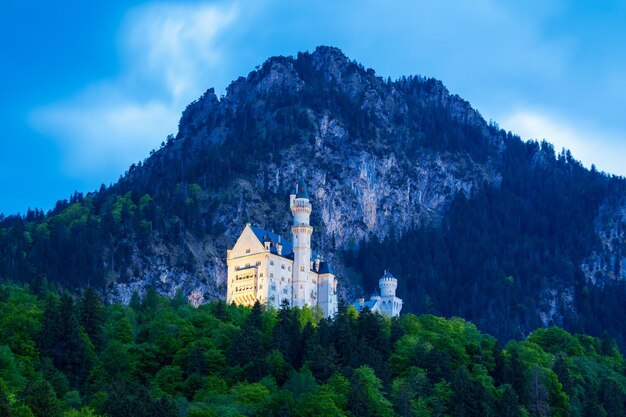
88, 88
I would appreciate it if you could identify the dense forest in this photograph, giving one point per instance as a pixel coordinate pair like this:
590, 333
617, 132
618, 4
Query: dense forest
499, 252
65, 356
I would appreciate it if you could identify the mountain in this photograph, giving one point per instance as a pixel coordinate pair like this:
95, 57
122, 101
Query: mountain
403, 176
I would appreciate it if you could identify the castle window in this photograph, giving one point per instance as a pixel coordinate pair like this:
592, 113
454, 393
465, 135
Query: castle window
288, 268
261, 275
284, 290
247, 250
260, 287
302, 268
282, 279
271, 275
271, 262
273, 287
282, 266
247, 265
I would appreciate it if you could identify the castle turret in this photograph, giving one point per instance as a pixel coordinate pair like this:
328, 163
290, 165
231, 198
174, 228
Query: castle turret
303, 288
388, 285
389, 303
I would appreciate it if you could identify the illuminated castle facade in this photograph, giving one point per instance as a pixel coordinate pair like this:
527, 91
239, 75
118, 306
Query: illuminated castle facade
266, 267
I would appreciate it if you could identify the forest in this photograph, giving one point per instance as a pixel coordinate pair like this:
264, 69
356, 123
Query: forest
68, 356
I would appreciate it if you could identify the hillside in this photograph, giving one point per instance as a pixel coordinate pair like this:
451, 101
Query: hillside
403, 175
160, 357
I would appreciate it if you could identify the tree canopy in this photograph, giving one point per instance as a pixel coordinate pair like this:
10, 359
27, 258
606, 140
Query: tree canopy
73, 356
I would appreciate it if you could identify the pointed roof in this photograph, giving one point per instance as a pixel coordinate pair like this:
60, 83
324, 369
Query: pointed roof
369, 304
325, 268
301, 191
267, 236
388, 274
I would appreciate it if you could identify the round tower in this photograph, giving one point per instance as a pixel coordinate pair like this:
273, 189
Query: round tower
301, 231
388, 285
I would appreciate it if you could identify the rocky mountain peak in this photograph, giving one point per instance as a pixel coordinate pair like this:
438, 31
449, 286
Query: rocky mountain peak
331, 62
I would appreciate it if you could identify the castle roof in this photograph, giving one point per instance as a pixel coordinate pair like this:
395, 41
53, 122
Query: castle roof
325, 268
301, 191
267, 236
369, 304
287, 252
388, 274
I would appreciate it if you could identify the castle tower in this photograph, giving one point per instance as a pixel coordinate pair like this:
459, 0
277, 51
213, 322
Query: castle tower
388, 285
389, 303
303, 285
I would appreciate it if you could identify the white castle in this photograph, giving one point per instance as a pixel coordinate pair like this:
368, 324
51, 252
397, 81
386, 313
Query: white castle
385, 303
264, 266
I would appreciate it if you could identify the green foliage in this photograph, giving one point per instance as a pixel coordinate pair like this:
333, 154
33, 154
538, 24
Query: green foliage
555, 340
41, 398
83, 412
20, 322
164, 359
365, 397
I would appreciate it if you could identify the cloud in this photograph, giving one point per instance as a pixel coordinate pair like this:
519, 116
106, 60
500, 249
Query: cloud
177, 44
169, 53
589, 144
489, 53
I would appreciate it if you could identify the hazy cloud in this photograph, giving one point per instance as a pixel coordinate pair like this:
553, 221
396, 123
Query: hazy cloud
493, 54
589, 144
168, 51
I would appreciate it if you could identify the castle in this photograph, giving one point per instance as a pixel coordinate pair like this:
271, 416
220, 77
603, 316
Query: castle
385, 303
266, 267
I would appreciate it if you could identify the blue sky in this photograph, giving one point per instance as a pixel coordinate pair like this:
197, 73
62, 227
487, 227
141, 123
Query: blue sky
88, 88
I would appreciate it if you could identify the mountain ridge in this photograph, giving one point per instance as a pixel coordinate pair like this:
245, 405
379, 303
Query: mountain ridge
385, 160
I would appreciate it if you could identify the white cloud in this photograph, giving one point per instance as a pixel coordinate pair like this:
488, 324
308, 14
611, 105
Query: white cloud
176, 44
589, 144
169, 52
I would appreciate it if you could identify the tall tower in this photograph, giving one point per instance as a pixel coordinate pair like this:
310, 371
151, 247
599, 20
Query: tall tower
303, 285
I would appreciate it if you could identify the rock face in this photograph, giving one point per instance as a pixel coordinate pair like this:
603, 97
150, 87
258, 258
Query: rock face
381, 160
354, 136
608, 262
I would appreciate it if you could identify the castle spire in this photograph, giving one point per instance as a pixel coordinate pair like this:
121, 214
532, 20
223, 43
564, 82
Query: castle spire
301, 191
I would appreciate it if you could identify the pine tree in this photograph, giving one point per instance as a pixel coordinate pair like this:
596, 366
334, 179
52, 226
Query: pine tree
288, 336
249, 349
365, 398
92, 316
41, 399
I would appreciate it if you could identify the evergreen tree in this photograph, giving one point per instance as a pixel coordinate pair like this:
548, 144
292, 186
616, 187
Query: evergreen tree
249, 349
92, 315
288, 336
72, 354
508, 405
365, 397
5, 409
41, 399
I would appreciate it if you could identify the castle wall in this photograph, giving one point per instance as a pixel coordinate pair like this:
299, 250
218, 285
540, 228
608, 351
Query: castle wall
255, 273
327, 296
